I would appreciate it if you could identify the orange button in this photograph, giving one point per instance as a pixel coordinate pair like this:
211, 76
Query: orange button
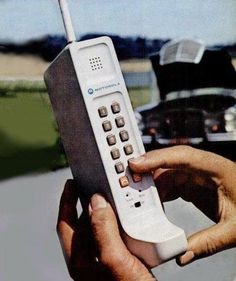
124, 181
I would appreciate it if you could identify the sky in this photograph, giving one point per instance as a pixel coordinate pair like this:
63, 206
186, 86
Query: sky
213, 21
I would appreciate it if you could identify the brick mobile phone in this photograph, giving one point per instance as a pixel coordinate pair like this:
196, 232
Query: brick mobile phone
99, 133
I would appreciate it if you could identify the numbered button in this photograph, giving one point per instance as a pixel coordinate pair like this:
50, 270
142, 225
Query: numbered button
115, 153
115, 107
107, 126
124, 136
124, 181
111, 139
102, 111
119, 167
128, 149
120, 122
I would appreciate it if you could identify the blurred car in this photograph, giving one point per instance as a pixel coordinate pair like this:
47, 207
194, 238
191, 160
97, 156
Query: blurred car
198, 98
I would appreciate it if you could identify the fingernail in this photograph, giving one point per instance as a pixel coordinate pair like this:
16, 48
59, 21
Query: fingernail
186, 258
90, 209
137, 160
98, 202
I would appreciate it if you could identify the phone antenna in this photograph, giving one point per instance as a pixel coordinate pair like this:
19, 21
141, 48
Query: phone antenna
70, 34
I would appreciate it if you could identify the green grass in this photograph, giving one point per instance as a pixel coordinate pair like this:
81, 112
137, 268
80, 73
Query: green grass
29, 140
28, 135
11, 87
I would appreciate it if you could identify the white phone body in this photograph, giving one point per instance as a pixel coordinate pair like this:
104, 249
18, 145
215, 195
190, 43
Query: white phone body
84, 81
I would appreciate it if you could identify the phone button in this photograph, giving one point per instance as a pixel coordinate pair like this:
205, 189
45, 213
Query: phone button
111, 139
128, 149
136, 177
124, 136
115, 107
137, 204
115, 153
124, 181
102, 111
120, 122
119, 168
107, 126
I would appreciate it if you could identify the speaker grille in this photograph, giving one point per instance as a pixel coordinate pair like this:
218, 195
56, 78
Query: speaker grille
95, 63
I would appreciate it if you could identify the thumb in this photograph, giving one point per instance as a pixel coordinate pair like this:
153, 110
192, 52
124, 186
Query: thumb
111, 248
205, 243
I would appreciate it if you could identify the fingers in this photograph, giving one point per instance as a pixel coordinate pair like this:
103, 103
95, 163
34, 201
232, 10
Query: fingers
68, 202
207, 242
78, 245
111, 248
67, 218
178, 157
112, 252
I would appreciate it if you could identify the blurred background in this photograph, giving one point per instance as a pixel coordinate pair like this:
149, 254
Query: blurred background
178, 59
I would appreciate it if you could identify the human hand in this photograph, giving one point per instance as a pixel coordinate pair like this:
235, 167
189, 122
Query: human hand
203, 178
92, 246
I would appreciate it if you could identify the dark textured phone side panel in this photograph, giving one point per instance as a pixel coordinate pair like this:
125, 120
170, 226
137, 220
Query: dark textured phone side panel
75, 129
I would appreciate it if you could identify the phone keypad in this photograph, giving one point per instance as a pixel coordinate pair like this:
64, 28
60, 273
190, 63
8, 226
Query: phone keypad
118, 136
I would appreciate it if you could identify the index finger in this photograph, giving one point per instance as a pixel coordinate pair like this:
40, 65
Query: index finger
180, 157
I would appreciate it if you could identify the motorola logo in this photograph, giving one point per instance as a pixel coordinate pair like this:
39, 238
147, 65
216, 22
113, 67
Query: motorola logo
90, 91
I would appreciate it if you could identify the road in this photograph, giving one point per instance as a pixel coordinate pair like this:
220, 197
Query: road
29, 246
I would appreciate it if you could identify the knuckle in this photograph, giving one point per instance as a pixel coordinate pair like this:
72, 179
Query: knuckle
185, 150
211, 245
112, 260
